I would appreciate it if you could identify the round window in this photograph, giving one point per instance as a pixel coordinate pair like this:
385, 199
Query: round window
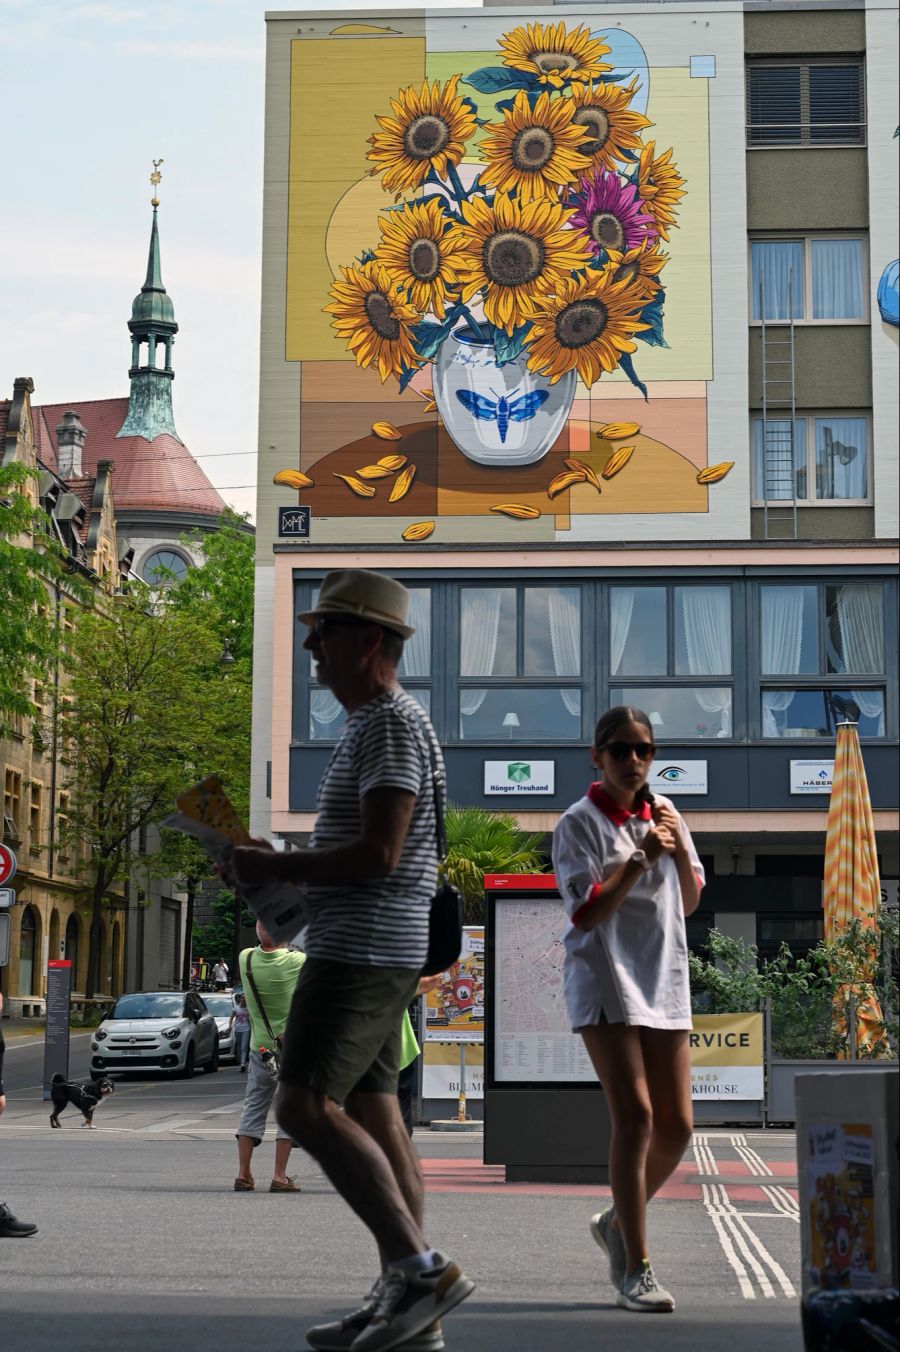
164, 568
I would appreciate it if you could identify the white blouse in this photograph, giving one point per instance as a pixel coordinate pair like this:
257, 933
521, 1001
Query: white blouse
632, 967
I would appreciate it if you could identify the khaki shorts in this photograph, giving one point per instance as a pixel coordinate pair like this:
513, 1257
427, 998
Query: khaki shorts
344, 1029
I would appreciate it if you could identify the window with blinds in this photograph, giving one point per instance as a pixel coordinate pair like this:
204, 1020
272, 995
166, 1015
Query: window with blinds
814, 103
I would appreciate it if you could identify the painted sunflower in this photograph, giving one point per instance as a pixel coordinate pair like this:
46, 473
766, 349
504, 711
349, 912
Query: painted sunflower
612, 126
610, 213
639, 267
534, 150
587, 325
555, 55
419, 255
515, 252
373, 319
660, 187
428, 130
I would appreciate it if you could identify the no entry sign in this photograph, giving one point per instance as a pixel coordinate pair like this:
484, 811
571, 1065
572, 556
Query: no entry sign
7, 865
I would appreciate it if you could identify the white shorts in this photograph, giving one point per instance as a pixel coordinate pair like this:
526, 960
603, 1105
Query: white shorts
259, 1092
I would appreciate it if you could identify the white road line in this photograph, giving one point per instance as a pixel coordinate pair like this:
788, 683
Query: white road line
728, 1248
226, 1108
783, 1202
739, 1233
172, 1126
777, 1270
755, 1163
704, 1157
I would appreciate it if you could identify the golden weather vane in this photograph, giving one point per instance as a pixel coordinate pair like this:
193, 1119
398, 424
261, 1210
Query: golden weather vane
155, 179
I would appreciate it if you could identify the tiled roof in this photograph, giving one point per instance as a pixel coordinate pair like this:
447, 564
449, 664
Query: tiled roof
159, 475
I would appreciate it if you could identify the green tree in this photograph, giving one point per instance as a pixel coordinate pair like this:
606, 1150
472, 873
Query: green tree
480, 842
134, 718
29, 560
220, 937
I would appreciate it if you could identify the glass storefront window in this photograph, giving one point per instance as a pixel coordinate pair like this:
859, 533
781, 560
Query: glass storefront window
552, 631
680, 713
487, 631
789, 630
702, 631
637, 631
519, 714
327, 717
854, 629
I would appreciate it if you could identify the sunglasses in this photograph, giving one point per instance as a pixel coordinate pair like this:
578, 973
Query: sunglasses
620, 751
325, 623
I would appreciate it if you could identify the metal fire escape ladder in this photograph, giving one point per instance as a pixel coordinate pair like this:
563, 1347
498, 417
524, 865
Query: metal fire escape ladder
779, 478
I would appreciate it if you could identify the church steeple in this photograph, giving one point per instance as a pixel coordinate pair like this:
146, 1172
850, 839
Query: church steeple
153, 328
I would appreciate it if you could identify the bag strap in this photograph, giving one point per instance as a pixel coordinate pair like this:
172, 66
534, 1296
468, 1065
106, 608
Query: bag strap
436, 782
258, 998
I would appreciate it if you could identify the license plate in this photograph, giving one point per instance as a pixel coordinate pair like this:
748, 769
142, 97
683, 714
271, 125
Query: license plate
131, 1051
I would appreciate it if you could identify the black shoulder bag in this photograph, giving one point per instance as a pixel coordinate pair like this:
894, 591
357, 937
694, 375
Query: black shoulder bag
271, 1060
445, 920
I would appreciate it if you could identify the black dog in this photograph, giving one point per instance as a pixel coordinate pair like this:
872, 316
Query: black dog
85, 1096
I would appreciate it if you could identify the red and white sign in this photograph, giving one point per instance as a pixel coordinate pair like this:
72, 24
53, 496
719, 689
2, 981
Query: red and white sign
7, 865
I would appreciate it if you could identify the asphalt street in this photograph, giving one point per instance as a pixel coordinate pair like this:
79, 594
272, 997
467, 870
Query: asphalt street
143, 1243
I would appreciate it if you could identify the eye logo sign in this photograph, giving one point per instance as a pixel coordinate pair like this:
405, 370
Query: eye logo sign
672, 774
518, 771
688, 777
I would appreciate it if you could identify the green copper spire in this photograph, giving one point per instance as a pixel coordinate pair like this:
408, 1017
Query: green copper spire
153, 328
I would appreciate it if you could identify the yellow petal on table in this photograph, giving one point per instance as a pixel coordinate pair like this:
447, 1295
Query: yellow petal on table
582, 468
616, 431
387, 431
520, 511
357, 486
715, 472
420, 530
391, 462
292, 478
564, 481
374, 472
402, 484
617, 461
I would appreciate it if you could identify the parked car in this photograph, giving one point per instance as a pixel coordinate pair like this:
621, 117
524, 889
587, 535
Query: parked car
157, 1030
220, 1005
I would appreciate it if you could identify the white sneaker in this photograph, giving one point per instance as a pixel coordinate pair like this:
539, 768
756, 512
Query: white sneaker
642, 1292
411, 1301
610, 1241
339, 1335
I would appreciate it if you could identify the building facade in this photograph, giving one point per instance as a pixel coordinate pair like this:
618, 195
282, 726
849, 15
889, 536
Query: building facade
121, 490
708, 532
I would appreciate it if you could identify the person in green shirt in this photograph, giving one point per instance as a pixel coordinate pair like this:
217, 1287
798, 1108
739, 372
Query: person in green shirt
274, 970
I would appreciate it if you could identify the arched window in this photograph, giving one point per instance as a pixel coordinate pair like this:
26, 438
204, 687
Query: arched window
27, 945
164, 568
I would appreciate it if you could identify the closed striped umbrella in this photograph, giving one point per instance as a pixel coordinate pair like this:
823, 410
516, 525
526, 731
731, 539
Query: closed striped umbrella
852, 887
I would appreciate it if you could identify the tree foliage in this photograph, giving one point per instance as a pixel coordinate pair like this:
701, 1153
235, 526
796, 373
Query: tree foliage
29, 560
480, 842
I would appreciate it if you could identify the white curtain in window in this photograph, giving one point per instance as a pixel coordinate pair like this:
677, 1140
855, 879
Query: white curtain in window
782, 639
836, 278
565, 641
860, 617
779, 485
841, 456
777, 263
621, 609
417, 650
706, 615
324, 708
479, 629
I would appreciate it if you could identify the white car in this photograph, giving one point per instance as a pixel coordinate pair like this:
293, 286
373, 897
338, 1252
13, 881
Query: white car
157, 1030
221, 1005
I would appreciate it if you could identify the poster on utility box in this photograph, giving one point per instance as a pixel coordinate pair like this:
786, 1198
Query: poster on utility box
455, 1010
727, 1056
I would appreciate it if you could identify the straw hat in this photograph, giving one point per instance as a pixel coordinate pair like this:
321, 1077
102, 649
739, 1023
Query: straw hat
364, 595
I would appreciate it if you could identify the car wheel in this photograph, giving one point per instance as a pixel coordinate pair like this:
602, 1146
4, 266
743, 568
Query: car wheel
212, 1064
187, 1070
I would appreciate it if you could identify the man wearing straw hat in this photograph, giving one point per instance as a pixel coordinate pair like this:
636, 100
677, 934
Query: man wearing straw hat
370, 872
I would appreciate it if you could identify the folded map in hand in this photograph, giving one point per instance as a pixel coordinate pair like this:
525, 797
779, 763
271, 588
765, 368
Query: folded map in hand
205, 813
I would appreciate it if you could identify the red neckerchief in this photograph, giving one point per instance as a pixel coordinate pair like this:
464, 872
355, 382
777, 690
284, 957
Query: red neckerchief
617, 814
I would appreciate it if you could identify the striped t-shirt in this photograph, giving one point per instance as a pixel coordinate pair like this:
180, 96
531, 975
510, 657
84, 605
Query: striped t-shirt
382, 922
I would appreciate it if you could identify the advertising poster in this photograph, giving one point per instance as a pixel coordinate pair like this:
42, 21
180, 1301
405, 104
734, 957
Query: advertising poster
455, 1010
440, 1071
841, 1200
727, 1056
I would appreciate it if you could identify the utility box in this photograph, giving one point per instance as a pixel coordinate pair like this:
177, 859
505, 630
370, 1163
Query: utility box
847, 1140
545, 1115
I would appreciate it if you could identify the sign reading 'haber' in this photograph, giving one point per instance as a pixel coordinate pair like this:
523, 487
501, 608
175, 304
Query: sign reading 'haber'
811, 776
519, 778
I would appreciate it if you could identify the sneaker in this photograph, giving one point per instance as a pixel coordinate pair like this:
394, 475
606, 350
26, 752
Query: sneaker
643, 1293
611, 1242
339, 1334
10, 1228
411, 1301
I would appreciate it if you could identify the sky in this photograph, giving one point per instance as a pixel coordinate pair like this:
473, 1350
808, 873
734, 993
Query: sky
94, 91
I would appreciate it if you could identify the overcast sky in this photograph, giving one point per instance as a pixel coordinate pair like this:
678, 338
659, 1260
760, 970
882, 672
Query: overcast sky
93, 91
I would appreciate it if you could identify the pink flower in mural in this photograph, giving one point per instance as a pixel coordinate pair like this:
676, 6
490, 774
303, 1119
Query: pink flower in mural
610, 213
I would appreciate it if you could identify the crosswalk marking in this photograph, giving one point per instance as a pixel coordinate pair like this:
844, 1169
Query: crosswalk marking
736, 1235
703, 1155
226, 1108
755, 1163
172, 1126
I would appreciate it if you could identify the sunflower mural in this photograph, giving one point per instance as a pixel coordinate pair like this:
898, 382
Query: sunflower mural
518, 258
